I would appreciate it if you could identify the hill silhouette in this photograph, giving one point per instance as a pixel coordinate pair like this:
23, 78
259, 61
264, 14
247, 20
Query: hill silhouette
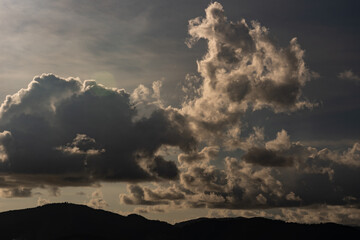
64, 221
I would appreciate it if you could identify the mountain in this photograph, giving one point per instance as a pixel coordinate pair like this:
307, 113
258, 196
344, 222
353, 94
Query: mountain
64, 221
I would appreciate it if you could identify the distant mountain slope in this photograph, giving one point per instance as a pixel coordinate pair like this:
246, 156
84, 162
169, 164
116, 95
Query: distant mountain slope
74, 222
71, 221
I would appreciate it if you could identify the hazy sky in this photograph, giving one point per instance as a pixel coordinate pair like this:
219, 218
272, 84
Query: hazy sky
181, 109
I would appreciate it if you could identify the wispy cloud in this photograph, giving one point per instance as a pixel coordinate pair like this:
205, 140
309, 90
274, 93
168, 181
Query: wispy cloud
349, 75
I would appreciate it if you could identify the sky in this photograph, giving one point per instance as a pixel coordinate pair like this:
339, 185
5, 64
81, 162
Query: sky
182, 109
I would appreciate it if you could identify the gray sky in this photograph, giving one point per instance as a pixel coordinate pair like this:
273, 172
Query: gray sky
287, 117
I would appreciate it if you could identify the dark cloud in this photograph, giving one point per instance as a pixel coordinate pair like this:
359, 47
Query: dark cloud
151, 209
207, 154
277, 173
207, 178
137, 196
15, 192
64, 132
170, 193
164, 169
267, 158
81, 144
145, 196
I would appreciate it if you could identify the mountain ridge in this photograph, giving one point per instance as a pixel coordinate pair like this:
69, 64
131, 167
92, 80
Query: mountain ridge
67, 221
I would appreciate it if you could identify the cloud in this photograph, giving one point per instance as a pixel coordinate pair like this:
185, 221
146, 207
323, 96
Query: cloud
5, 140
145, 100
150, 209
54, 191
242, 69
163, 169
266, 157
139, 195
206, 154
64, 132
349, 75
97, 200
42, 201
276, 173
82, 145
350, 157
15, 192
292, 197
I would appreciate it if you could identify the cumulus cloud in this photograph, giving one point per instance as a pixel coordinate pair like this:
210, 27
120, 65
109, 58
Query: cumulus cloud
97, 200
242, 69
5, 140
277, 173
66, 132
292, 197
349, 75
147, 100
81, 144
349, 157
139, 195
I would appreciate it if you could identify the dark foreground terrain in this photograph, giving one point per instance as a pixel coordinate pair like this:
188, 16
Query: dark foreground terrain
70, 221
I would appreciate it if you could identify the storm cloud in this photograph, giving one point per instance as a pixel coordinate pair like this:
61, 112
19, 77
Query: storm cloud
65, 132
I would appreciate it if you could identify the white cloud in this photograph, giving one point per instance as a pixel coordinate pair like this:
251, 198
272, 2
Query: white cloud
242, 69
350, 157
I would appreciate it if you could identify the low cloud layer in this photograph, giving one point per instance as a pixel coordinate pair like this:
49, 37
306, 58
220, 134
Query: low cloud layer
277, 173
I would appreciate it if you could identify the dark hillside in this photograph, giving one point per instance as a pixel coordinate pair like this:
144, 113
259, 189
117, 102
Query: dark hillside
64, 221
71, 221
